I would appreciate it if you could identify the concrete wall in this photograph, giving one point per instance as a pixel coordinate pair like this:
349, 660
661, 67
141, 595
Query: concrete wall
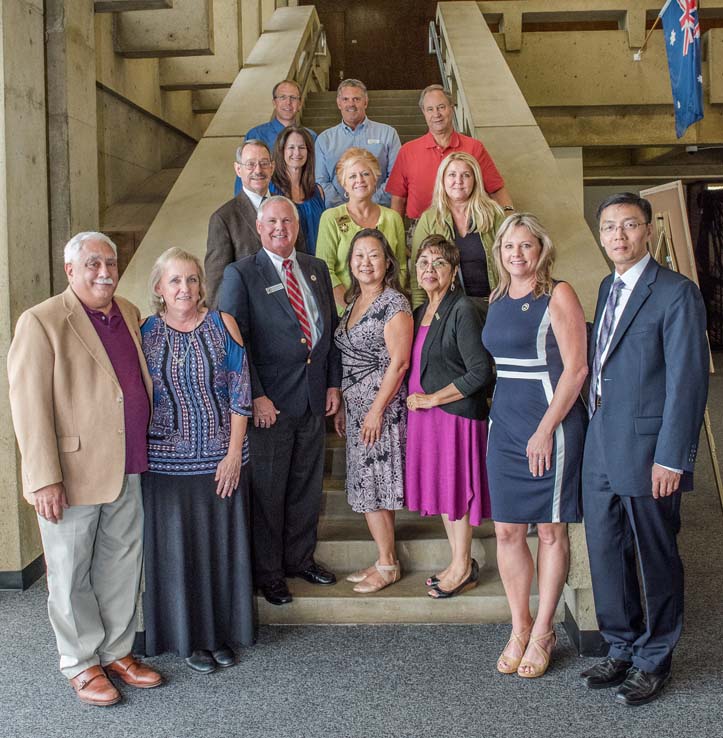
24, 261
132, 145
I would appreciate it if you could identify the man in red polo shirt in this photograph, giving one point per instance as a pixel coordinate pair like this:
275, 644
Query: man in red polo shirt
411, 181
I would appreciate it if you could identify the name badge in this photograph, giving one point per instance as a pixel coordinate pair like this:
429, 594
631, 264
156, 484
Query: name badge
373, 141
274, 288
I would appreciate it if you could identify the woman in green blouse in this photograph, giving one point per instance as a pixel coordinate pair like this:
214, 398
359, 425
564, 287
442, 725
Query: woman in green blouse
464, 214
357, 171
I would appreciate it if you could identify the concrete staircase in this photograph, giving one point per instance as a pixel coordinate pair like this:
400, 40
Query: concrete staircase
397, 108
346, 545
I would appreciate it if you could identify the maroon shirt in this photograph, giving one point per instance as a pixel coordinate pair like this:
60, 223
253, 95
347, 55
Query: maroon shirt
118, 343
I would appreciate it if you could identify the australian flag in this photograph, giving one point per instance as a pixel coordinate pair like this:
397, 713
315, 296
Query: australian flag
682, 44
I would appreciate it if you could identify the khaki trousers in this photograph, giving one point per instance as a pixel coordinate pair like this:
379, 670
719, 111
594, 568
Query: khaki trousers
93, 558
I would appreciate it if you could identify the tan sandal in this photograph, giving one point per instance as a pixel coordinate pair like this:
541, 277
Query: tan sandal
389, 574
361, 575
537, 670
512, 661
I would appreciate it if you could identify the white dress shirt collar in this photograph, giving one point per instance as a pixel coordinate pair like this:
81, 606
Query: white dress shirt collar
255, 198
631, 276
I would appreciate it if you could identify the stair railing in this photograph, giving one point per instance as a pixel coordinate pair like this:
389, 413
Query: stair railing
307, 60
435, 47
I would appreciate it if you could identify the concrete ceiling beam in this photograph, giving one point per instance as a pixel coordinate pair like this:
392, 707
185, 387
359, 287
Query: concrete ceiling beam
186, 29
631, 15
123, 6
641, 125
216, 70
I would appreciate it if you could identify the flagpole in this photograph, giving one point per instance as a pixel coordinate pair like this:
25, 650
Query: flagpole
638, 55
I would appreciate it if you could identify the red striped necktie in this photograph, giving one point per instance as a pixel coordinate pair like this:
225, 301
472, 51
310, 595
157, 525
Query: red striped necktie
296, 298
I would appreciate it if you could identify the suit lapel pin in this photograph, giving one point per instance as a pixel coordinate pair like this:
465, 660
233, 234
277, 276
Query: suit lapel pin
313, 277
436, 315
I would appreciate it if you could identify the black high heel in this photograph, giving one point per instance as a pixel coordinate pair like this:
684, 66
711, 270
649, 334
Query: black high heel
469, 583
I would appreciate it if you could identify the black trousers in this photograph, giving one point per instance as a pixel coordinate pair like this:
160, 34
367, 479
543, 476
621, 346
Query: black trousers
642, 627
287, 471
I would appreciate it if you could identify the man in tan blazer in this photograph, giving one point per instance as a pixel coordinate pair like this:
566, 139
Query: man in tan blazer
80, 398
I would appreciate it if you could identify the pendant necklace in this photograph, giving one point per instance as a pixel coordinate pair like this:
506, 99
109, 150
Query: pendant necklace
176, 360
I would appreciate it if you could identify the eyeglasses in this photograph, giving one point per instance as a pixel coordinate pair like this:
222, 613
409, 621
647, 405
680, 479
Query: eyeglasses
287, 98
628, 225
251, 165
437, 264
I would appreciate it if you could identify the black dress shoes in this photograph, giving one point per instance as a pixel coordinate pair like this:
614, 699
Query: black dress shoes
641, 687
608, 673
202, 662
224, 657
276, 592
316, 574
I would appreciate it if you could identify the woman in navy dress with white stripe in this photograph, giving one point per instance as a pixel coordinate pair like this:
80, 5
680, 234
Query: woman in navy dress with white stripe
535, 331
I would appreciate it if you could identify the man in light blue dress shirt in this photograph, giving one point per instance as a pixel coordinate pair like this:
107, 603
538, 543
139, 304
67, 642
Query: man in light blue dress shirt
286, 97
355, 129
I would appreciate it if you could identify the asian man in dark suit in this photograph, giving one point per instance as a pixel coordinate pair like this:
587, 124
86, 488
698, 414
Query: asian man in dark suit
284, 304
232, 230
648, 388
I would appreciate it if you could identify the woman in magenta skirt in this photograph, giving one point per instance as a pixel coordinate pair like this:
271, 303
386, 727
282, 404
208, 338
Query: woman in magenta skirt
447, 431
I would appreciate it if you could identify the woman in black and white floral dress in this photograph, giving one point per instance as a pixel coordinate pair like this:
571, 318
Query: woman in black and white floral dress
375, 340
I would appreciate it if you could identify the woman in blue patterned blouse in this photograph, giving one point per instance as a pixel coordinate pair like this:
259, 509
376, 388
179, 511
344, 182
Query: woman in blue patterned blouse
198, 595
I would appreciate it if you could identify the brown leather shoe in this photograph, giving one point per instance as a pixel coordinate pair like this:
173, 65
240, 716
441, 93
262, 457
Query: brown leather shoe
93, 687
134, 673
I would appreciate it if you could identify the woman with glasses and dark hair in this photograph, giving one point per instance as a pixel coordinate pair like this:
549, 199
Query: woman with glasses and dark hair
447, 429
293, 177
374, 337
535, 330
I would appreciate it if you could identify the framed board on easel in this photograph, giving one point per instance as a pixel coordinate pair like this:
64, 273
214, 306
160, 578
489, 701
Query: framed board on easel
673, 247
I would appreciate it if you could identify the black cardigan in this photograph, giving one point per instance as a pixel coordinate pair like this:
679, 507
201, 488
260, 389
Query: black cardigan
453, 352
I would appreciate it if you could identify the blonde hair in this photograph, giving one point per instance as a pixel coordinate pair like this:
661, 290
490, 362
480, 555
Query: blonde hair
172, 254
481, 210
352, 156
543, 271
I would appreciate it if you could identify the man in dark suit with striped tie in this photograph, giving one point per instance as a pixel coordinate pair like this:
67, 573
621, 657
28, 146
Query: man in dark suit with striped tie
648, 388
284, 304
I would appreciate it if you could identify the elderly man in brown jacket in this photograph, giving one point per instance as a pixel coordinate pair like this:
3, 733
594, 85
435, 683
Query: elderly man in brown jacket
80, 397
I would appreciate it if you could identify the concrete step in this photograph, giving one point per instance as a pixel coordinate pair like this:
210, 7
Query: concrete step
345, 545
404, 602
403, 96
335, 460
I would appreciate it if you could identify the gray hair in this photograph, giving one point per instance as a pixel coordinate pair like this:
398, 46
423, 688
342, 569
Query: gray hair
276, 198
434, 88
351, 83
157, 270
74, 246
250, 142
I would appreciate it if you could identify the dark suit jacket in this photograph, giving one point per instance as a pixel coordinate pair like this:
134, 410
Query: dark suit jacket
654, 380
232, 235
280, 364
453, 352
